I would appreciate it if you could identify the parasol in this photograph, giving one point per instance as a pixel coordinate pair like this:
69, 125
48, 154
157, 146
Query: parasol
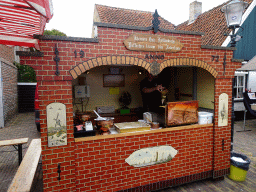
20, 20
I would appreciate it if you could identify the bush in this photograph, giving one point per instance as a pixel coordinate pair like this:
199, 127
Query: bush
54, 32
25, 73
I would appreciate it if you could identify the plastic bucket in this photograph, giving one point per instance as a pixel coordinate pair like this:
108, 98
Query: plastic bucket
237, 174
239, 166
205, 118
253, 106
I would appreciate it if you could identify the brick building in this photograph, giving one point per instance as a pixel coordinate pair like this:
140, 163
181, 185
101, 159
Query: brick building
8, 86
97, 163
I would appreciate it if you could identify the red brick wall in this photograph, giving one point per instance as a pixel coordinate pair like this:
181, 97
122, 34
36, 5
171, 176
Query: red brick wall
111, 43
74, 168
57, 91
100, 164
223, 133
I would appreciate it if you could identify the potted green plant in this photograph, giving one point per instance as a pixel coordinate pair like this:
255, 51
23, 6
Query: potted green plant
125, 100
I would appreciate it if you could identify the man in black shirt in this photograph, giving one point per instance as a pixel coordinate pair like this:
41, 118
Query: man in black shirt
151, 93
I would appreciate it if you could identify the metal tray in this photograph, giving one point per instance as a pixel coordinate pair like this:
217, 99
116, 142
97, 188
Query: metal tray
132, 126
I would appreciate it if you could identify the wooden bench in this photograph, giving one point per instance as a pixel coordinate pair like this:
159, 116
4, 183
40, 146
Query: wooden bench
24, 176
14, 143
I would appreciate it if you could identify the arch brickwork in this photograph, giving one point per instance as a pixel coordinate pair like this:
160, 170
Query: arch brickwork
109, 60
189, 62
129, 60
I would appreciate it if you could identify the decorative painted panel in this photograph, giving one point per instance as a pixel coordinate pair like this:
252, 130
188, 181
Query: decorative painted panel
56, 124
151, 156
223, 110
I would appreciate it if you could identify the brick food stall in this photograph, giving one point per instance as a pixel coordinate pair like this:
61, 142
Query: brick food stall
182, 153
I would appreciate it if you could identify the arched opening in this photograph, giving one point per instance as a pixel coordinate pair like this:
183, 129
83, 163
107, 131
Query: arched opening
106, 84
106, 78
186, 83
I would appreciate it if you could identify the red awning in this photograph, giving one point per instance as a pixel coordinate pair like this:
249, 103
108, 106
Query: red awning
21, 19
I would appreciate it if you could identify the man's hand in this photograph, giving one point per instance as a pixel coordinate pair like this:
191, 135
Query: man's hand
159, 88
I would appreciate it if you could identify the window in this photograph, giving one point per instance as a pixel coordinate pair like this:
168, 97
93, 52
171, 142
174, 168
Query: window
239, 88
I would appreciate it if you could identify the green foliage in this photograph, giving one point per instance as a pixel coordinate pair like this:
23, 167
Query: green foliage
25, 73
54, 32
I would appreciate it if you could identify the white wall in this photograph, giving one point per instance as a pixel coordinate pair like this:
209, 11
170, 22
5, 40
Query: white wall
252, 81
205, 89
100, 96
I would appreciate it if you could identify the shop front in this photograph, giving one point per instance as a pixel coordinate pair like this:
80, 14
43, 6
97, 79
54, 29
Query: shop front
109, 65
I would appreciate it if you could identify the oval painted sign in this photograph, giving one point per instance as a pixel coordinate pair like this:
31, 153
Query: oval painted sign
147, 42
151, 156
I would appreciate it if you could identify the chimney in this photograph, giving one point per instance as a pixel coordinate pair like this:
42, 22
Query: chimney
195, 9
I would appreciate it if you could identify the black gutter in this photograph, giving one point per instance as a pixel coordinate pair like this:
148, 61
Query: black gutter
65, 38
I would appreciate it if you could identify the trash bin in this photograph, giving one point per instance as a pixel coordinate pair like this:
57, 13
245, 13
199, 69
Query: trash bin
239, 166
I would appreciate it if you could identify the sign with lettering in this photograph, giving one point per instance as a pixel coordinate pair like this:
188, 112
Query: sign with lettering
147, 42
149, 56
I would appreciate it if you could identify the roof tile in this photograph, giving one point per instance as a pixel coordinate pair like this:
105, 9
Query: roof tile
212, 23
114, 15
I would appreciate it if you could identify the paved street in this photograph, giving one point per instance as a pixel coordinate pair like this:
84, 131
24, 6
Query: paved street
23, 125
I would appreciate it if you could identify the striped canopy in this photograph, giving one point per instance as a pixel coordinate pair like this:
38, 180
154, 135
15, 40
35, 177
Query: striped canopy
20, 20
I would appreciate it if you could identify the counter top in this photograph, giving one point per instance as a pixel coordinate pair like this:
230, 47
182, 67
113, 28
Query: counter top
98, 137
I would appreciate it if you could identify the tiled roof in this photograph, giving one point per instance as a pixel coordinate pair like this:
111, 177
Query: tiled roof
212, 23
114, 15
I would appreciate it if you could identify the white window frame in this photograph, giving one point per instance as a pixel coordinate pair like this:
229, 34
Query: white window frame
239, 74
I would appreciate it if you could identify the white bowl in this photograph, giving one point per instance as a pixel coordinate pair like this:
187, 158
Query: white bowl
205, 118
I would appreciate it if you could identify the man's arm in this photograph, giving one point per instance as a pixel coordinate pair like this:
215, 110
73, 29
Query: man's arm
149, 90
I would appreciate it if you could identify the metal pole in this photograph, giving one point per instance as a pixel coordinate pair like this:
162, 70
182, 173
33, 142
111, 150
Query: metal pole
233, 37
232, 114
20, 153
244, 117
244, 122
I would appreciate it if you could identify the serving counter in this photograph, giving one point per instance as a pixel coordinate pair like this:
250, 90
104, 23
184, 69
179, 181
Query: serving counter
101, 160
170, 129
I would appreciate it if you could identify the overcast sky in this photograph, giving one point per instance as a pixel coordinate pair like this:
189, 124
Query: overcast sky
75, 17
